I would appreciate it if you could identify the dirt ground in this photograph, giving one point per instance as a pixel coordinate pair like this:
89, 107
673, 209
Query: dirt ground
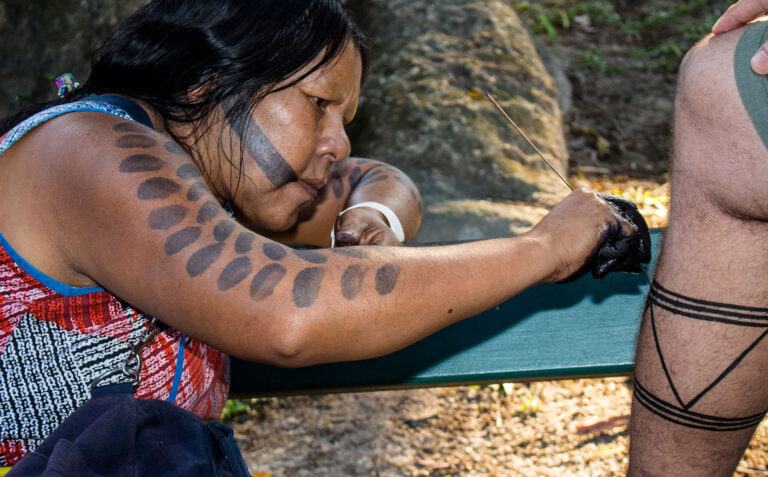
618, 138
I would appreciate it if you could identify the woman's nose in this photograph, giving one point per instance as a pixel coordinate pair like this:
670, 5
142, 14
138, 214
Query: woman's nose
335, 142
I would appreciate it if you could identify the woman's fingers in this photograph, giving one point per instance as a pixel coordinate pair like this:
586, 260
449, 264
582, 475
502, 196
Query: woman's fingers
364, 226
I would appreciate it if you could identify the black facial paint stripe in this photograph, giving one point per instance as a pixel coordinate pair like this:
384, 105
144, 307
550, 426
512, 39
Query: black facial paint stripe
196, 191
174, 148
166, 217
181, 239
244, 242
141, 163
275, 168
306, 286
311, 256
128, 128
386, 278
274, 251
201, 260
265, 281
223, 230
135, 141
208, 211
188, 171
157, 188
235, 272
354, 252
352, 281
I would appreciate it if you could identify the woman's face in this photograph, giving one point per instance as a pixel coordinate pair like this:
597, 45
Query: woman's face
288, 149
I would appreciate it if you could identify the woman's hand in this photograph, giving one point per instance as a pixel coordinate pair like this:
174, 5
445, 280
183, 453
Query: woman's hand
575, 231
741, 13
363, 226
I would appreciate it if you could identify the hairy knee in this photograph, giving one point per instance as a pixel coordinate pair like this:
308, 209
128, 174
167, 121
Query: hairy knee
720, 156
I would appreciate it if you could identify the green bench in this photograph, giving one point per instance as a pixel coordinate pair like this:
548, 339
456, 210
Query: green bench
580, 330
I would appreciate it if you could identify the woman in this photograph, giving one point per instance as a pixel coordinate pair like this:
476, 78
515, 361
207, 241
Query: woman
244, 106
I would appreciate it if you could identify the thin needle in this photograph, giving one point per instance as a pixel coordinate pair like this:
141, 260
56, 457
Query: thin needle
520, 131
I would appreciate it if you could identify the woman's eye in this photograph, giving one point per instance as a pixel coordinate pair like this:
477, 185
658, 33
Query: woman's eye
319, 102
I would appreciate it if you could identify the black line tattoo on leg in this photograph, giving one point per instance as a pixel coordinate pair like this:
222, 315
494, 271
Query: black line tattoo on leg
306, 286
386, 278
680, 305
265, 281
270, 161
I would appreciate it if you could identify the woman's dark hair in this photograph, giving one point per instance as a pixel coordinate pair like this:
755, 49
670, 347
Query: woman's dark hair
185, 57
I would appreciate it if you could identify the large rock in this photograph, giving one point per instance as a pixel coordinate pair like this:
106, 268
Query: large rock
423, 110
42, 39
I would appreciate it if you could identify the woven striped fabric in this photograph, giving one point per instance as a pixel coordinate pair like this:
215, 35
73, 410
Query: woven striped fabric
56, 339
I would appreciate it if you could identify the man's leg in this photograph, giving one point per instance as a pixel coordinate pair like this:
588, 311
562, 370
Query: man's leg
701, 382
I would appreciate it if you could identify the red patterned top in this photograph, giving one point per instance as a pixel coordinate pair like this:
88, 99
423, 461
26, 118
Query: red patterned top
55, 340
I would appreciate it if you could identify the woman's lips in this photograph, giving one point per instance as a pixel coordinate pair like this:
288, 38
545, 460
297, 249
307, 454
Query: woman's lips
311, 187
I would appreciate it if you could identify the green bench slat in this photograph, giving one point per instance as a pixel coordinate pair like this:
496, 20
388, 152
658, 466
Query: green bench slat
583, 329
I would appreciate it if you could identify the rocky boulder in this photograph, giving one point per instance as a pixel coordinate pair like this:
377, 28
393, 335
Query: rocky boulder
423, 109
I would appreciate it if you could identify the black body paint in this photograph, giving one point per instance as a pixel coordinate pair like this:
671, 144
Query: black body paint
244, 242
196, 191
166, 217
274, 251
208, 211
354, 177
352, 281
373, 180
157, 188
354, 252
128, 128
181, 239
274, 166
682, 306
223, 230
264, 283
174, 148
386, 278
306, 286
135, 141
235, 272
188, 171
311, 256
336, 184
201, 260
141, 163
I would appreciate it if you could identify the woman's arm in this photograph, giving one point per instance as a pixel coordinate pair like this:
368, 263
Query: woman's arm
356, 181
125, 210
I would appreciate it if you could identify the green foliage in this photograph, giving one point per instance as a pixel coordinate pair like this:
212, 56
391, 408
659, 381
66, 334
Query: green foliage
234, 408
658, 32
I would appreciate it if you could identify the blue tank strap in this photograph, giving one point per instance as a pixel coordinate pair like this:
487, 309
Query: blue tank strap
136, 112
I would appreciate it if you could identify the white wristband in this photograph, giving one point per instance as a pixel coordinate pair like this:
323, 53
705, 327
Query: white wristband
389, 214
